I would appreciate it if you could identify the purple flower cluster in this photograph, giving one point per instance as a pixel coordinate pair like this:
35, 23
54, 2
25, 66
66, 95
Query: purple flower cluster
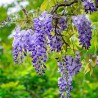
34, 42
89, 6
39, 52
56, 40
44, 23
83, 26
73, 65
43, 27
68, 67
56, 43
21, 44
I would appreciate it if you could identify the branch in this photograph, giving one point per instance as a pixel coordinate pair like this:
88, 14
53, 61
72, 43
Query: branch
56, 22
60, 5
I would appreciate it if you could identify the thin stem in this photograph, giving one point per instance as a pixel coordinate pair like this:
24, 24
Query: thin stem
59, 33
62, 5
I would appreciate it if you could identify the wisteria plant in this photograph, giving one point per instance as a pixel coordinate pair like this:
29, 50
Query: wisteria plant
64, 29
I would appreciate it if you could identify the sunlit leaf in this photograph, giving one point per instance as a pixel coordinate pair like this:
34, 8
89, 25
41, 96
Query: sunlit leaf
44, 5
87, 68
94, 59
47, 4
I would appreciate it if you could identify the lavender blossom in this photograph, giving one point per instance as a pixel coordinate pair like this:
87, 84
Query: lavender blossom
89, 6
20, 44
83, 26
56, 43
43, 27
68, 67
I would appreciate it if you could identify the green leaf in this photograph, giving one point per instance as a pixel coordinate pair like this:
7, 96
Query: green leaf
87, 68
47, 4
44, 5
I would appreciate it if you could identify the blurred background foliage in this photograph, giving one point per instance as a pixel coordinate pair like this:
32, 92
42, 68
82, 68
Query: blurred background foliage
21, 81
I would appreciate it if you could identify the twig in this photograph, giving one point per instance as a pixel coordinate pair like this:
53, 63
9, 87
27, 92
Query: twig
60, 5
56, 21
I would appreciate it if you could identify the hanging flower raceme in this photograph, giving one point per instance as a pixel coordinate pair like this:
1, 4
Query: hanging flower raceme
21, 44
65, 81
39, 52
43, 27
68, 67
83, 26
89, 6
